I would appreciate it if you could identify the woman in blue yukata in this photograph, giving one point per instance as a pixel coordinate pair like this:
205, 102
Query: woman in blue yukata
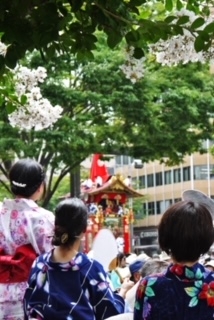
186, 290
65, 284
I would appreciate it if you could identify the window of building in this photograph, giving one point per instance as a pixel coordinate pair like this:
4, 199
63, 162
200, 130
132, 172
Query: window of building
177, 175
151, 208
118, 160
134, 183
168, 177
158, 207
144, 208
159, 178
161, 206
150, 180
126, 160
123, 160
202, 172
206, 144
111, 171
168, 203
186, 174
142, 182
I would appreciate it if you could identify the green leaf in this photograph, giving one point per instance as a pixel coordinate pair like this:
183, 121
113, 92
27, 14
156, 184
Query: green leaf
138, 53
10, 107
198, 274
193, 302
149, 292
197, 23
191, 291
1, 100
204, 36
113, 39
183, 20
189, 274
209, 28
23, 99
137, 305
206, 11
84, 55
169, 5
178, 30
199, 44
50, 51
137, 2
169, 19
76, 5
151, 281
198, 283
132, 36
179, 5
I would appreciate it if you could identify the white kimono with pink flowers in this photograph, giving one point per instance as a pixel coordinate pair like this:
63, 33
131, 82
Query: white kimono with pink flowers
22, 222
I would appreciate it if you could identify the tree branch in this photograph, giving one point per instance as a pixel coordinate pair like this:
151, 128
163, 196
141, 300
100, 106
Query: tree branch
5, 186
114, 15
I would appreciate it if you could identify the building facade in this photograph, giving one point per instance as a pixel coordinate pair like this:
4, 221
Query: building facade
163, 186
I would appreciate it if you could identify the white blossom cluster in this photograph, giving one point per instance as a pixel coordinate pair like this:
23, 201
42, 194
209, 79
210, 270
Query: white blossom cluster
132, 68
3, 49
37, 113
180, 48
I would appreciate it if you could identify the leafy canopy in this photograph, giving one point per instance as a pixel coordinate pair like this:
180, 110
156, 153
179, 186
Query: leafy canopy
55, 26
163, 116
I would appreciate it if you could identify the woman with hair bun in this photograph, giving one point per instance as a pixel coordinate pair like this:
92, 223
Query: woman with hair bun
25, 230
65, 284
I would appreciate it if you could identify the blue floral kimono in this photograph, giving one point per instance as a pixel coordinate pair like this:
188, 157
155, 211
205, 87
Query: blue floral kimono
182, 293
77, 290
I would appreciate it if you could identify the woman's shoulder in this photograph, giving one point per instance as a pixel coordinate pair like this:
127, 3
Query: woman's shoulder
91, 266
40, 213
44, 212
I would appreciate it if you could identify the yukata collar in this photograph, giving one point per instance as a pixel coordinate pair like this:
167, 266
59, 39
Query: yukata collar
19, 204
74, 264
187, 274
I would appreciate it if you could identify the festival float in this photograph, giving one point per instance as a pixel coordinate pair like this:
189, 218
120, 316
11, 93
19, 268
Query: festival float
107, 198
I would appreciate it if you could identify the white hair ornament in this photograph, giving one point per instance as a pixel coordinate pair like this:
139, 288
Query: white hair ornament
18, 184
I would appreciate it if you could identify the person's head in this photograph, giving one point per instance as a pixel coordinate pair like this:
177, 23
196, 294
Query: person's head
153, 266
117, 232
210, 265
70, 222
27, 179
186, 231
135, 268
121, 260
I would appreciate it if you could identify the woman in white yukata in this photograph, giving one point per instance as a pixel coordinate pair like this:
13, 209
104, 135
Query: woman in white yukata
25, 230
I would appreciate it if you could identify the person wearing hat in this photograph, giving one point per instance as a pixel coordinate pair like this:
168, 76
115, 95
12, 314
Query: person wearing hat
135, 269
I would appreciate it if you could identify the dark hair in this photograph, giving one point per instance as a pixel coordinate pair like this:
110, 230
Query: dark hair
186, 231
120, 257
26, 176
70, 221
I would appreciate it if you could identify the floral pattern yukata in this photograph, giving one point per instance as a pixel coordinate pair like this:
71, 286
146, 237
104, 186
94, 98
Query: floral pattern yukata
22, 222
77, 290
181, 293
